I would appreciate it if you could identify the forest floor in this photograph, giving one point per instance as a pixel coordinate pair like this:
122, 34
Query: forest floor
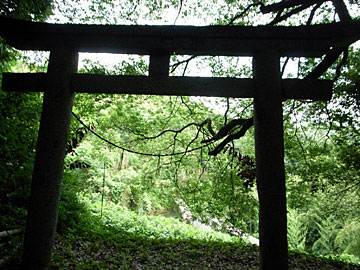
136, 254
104, 251
116, 238
78, 253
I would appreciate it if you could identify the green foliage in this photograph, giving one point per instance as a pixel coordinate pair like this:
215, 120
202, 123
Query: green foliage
323, 184
19, 123
152, 227
322, 153
72, 212
122, 239
324, 229
347, 239
297, 231
148, 184
37, 10
327, 229
18, 134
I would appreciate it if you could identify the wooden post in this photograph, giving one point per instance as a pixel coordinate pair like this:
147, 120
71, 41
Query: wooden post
159, 63
49, 161
269, 149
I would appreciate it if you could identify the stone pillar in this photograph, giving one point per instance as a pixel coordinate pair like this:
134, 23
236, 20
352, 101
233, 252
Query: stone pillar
49, 162
269, 150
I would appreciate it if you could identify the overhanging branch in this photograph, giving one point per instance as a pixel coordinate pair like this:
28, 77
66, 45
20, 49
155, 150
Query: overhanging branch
282, 5
245, 125
241, 14
132, 151
304, 6
329, 59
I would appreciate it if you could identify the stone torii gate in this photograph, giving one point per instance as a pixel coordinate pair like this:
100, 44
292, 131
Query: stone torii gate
266, 44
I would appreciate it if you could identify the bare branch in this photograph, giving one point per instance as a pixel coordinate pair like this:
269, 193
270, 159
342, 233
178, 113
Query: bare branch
244, 109
227, 110
179, 12
341, 10
284, 66
187, 106
136, 152
176, 65
185, 68
127, 129
210, 128
329, 59
177, 131
226, 129
347, 188
240, 15
193, 140
342, 63
278, 14
282, 5
246, 125
292, 12
312, 13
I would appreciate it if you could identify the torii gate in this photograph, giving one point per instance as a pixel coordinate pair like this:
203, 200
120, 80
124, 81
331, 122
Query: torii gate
266, 44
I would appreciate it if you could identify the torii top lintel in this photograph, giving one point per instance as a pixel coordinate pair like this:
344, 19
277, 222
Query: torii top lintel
307, 41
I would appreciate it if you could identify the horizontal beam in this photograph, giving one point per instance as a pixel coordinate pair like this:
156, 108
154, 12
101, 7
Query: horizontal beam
183, 40
164, 85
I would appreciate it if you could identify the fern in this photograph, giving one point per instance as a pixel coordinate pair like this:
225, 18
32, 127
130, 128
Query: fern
297, 231
327, 229
348, 238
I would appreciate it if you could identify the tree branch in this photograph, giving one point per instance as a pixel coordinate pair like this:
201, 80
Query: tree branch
312, 13
284, 66
179, 12
177, 131
282, 5
240, 15
341, 10
176, 65
329, 59
226, 129
342, 63
227, 110
294, 11
136, 152
248, 123
187, 106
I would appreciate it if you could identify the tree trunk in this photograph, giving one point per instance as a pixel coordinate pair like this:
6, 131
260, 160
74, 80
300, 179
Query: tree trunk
269, 149
49, 161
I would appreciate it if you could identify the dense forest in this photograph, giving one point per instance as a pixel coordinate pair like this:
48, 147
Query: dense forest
150, 182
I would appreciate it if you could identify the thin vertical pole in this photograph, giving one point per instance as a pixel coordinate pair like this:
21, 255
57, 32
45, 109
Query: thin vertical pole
269, 150
102, 193
49, 161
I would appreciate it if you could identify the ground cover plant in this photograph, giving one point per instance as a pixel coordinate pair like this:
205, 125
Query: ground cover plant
122, 239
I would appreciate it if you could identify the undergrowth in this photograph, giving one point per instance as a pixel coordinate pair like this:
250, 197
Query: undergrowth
127, 222
112, 237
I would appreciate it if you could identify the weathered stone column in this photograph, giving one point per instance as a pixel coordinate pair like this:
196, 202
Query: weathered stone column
49, 162
270, 172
